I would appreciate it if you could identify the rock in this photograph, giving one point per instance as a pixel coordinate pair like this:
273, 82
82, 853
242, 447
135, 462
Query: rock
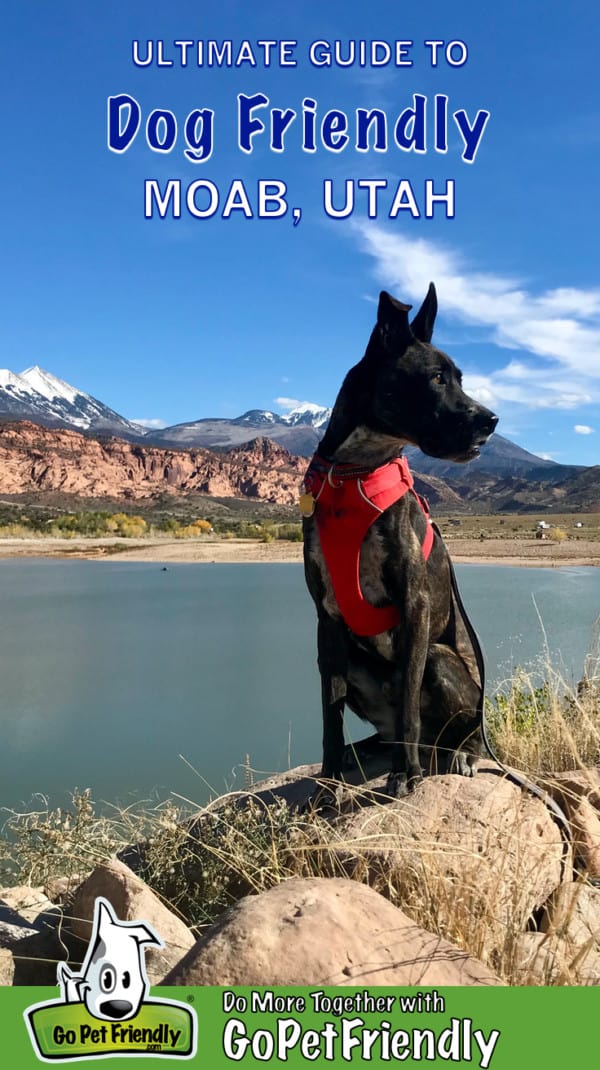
60, 889
13, 928
573, 914
323, 931
46, 460
25, 912
480, 847
26, 901
574, 784
36, 957
539, 959
585, 824
7, 967
132, 901
578, 795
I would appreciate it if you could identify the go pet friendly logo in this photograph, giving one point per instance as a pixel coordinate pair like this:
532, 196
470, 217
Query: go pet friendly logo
105, 1008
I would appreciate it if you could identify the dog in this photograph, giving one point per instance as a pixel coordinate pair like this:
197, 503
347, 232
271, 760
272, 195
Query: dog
112, 982
394, 642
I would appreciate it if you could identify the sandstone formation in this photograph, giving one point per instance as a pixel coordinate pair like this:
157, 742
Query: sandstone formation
39, 459
44, 460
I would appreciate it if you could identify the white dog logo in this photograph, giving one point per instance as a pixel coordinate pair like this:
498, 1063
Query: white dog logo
112, 983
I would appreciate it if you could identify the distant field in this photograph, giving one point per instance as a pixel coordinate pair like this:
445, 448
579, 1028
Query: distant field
459, 526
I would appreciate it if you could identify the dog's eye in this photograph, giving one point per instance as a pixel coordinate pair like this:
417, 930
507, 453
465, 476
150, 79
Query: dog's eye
438, 378
126, 979
108, 979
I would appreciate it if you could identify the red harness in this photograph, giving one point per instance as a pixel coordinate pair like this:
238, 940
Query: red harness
347, 501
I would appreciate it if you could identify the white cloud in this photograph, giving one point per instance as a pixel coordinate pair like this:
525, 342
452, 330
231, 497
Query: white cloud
293, 403
583, 429
153, 424
528, 387
562, 326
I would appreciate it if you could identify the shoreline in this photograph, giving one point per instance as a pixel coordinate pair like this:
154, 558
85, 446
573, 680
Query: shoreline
528, 553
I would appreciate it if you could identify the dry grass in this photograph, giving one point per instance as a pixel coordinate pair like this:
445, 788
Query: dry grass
542, 725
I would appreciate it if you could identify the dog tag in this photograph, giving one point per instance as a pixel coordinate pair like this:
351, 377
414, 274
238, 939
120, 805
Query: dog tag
306, 504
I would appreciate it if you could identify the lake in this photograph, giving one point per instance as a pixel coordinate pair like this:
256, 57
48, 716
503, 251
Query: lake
138, 682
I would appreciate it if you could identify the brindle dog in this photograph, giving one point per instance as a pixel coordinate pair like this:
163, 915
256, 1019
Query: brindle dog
418, 682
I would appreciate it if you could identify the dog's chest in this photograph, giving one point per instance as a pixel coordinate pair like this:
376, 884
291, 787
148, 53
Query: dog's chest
374, 568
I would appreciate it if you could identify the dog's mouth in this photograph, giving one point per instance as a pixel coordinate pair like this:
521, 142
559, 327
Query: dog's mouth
470, 453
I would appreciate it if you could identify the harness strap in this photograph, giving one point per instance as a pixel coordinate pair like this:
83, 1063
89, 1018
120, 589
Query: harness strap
347, 501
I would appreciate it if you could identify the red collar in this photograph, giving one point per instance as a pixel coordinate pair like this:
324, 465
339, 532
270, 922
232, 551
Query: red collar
347, 501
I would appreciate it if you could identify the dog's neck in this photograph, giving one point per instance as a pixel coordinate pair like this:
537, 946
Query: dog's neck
349, 439
361, 446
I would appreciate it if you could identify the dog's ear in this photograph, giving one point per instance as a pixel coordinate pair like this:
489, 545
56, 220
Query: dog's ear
392, 323
422, 325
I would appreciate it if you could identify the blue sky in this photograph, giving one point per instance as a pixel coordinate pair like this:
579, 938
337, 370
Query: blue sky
171, 320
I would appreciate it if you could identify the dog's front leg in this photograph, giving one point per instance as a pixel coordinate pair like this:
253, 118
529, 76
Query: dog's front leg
333, 667
406, 766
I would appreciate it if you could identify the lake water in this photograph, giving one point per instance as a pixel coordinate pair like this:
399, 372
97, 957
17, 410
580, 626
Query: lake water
131, 681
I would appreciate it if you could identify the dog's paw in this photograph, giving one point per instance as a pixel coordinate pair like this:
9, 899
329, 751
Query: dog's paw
331, 771
464, 764
399, 784
460, 764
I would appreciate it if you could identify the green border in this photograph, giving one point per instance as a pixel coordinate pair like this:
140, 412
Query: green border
539, 1027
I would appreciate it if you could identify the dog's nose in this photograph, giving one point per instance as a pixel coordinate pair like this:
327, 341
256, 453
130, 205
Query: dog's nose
116, 1008
485, 419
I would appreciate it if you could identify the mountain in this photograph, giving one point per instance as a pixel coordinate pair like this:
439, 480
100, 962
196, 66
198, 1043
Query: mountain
299, 431
38, 396
499, 457
55, 465
43, 398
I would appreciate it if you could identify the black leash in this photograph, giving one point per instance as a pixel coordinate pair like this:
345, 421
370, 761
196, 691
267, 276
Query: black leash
558, 815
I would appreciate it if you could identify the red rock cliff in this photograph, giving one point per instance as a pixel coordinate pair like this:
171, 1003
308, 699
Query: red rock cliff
34, 458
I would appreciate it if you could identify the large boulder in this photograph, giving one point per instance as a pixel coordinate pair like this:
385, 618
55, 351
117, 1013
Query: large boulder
323, 931
482, 850
132, 901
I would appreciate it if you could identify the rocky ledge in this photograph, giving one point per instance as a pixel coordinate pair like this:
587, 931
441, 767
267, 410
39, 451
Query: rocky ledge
509, 898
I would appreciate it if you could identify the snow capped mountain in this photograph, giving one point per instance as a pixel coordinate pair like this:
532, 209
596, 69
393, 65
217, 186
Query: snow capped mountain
256, 418
299, 430
37, 395
43, 398
50, 386
309, 414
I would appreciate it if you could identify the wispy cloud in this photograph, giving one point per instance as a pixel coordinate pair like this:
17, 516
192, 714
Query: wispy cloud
583, 429
291, 403
152, 424
560, 327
